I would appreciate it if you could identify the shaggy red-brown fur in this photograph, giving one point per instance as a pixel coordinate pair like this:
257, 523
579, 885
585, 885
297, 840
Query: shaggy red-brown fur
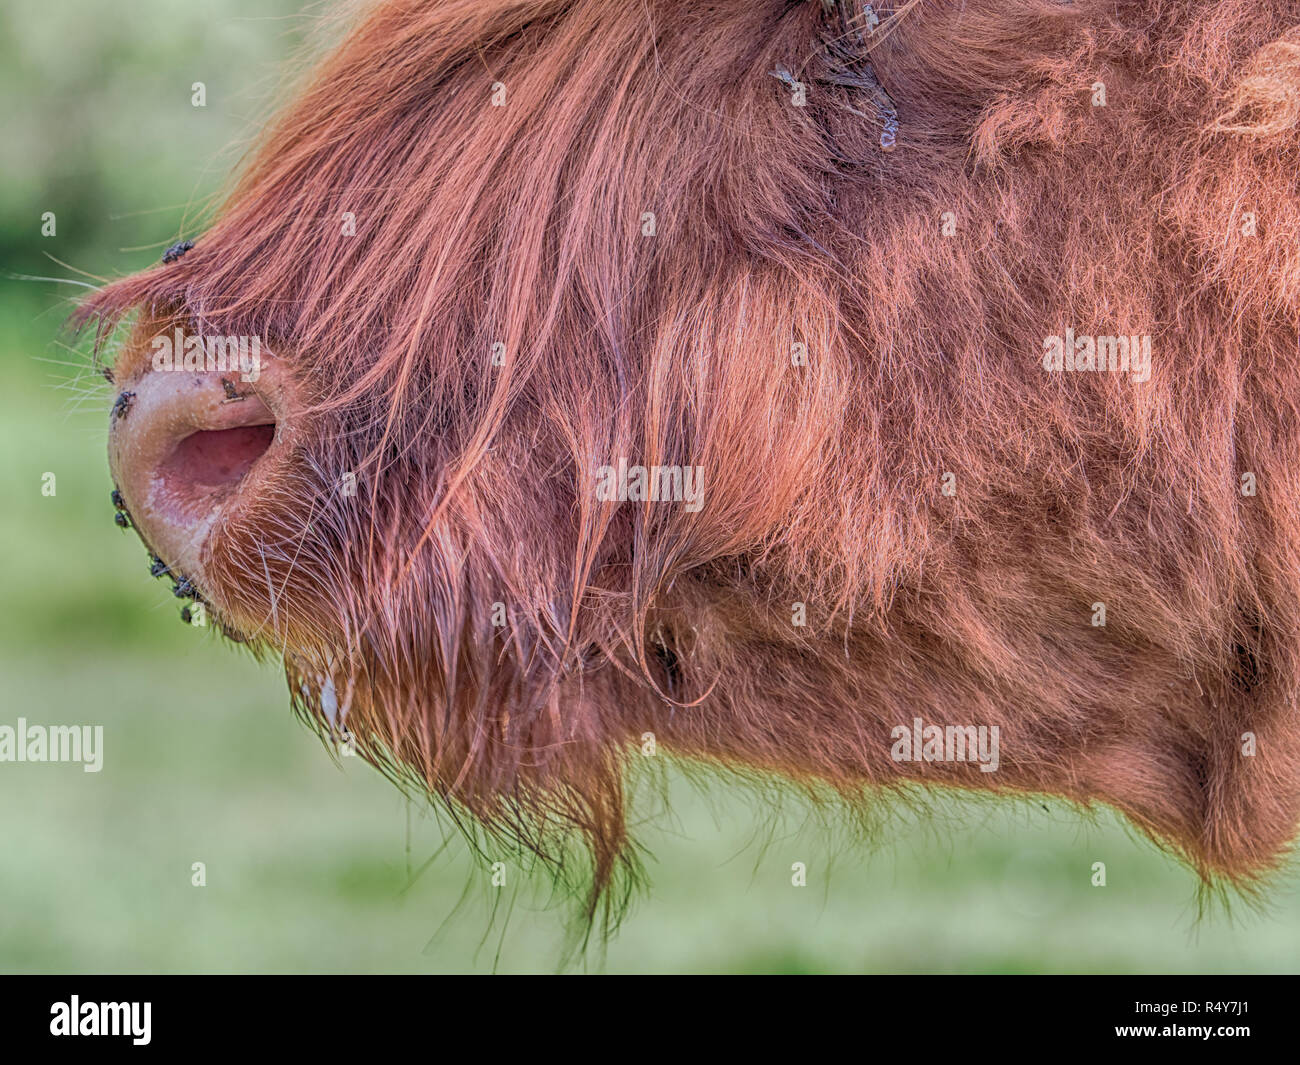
1171, 211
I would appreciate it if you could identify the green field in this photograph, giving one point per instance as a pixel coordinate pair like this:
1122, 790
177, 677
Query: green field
318, 867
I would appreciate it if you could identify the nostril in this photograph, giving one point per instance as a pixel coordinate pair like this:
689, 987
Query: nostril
196, 449
208, 465
219, 457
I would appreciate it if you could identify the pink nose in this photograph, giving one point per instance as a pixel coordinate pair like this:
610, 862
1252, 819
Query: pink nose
183, 444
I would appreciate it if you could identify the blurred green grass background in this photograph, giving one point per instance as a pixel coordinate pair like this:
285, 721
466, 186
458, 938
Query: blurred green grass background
316, 867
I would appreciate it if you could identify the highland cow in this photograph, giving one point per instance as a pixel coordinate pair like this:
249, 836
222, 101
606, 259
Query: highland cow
819, 256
